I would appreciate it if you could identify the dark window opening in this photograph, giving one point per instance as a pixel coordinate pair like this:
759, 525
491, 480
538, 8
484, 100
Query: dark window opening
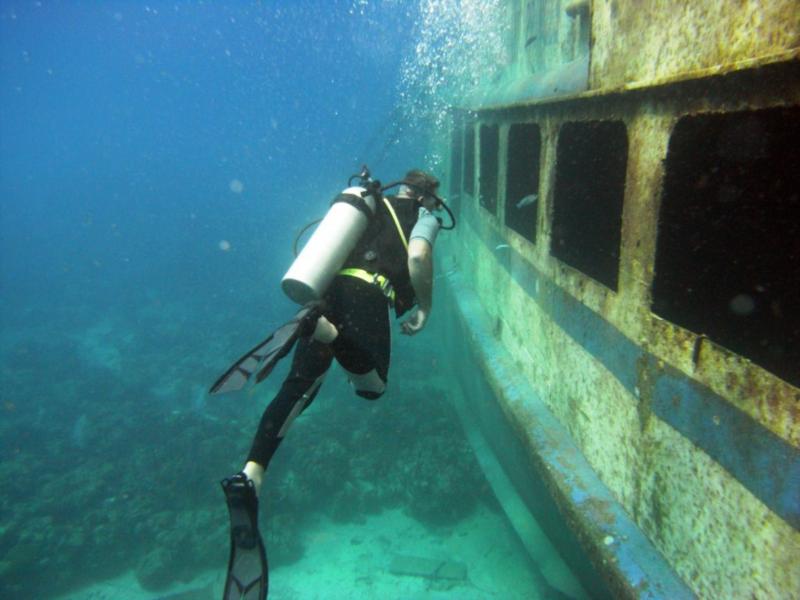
456, 159
589, 191
469, 161
490, 143
728, 254
522, 179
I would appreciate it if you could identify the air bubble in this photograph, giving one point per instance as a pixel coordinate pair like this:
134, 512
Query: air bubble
742, 305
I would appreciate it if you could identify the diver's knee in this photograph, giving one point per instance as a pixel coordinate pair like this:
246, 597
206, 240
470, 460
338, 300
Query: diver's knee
325, 331
367, 385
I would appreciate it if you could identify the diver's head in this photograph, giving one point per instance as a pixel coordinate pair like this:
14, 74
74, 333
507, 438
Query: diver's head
422, 187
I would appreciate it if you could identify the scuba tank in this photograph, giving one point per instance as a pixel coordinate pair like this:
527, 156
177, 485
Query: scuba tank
332, 242
336, 236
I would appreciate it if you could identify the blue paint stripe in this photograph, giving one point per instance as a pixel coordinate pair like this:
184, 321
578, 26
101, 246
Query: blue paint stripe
634, 558
761, 461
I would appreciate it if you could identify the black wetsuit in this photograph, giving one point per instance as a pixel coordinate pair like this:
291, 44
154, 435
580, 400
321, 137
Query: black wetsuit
360, 312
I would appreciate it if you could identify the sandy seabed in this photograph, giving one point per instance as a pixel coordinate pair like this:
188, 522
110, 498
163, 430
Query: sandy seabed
354, 561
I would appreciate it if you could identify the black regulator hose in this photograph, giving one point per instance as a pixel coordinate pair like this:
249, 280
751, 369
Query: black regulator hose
300, 234
449, 214
440, 203
365, 177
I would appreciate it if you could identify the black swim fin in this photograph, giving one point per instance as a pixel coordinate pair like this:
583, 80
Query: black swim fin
263, 358
248, 575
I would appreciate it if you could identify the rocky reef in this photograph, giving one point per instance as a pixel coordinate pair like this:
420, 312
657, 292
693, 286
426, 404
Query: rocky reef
110, 468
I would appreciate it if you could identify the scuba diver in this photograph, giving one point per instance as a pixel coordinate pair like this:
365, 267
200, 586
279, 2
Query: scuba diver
368, 254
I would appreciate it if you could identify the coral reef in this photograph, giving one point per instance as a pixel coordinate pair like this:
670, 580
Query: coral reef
438, 496
113, 469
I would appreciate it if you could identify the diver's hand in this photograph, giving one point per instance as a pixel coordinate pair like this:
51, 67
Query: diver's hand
415, 323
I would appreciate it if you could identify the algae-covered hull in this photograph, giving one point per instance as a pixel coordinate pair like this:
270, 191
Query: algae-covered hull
628, 258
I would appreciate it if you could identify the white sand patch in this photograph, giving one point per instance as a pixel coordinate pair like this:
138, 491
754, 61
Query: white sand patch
102, 345
353, 561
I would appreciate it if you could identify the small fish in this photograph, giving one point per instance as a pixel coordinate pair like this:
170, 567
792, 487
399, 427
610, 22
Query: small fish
530, 40
527, 201
501, 247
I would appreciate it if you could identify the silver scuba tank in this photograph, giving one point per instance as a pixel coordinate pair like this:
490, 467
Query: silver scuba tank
329, 246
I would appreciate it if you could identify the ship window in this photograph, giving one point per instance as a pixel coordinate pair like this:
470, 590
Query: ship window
522, 179
490, 143
728, 254
469, 161
456, 159
589, 191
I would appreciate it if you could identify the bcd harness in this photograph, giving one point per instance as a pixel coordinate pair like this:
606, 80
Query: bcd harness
381, 281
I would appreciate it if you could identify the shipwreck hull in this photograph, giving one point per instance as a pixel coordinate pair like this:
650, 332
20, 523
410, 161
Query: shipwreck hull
624, 271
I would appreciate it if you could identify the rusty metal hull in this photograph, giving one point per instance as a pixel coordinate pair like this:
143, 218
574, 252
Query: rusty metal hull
698, 444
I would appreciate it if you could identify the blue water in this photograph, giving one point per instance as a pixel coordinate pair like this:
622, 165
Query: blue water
155, 163
123, 127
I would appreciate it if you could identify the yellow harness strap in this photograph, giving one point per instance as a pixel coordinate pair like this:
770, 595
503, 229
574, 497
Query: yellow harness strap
374, 278
396, 223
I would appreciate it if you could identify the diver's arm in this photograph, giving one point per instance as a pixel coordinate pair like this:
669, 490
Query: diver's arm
420, 268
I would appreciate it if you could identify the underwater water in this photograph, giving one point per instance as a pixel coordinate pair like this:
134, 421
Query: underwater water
156, 161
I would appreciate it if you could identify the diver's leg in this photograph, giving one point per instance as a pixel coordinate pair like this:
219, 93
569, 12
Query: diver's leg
248, 571
364, 348
368, 372
309, 365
